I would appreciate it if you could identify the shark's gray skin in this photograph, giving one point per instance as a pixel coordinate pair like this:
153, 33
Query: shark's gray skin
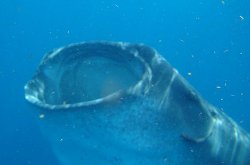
124, 104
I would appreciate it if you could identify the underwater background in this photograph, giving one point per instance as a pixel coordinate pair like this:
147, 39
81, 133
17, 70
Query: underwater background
208, 42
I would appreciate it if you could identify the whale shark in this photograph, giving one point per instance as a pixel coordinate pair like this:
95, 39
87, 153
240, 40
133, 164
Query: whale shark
117, 103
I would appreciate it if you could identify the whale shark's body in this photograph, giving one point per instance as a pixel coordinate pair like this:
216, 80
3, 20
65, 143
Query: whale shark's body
124, 104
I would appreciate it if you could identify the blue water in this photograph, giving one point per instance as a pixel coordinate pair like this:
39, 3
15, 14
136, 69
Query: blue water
207, 41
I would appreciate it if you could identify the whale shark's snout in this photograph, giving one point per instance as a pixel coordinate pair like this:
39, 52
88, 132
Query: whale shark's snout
120, 103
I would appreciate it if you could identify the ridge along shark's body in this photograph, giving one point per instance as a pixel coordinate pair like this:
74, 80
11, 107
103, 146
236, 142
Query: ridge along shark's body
117, 103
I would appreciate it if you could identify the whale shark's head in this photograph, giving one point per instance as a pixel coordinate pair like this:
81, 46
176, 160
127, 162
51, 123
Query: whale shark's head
120, 103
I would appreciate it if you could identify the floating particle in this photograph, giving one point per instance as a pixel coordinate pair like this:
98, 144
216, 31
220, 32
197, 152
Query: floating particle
116, 5
165, 159
189, 73
218, 87
41, 116
197, 18
241, 18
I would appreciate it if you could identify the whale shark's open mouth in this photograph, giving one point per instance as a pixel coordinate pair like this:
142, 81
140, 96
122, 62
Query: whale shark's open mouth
78, 83
86, 74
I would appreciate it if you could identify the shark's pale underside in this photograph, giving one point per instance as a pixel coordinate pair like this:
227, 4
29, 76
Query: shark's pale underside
108, 103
